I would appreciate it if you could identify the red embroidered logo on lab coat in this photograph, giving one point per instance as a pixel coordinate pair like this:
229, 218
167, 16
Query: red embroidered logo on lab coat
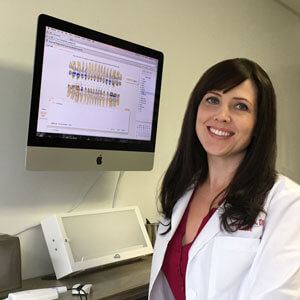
260, 222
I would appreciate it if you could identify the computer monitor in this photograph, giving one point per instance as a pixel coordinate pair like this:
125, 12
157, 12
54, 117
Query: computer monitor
95, 100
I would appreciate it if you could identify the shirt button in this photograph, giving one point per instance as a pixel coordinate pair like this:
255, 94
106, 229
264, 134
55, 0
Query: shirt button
191, 294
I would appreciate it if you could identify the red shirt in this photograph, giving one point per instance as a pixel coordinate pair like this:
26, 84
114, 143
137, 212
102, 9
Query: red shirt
176, 256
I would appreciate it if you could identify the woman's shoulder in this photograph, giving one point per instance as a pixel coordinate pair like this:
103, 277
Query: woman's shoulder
284, 192
286, 184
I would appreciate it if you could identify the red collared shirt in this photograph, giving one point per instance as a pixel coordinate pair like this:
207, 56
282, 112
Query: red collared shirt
176, 256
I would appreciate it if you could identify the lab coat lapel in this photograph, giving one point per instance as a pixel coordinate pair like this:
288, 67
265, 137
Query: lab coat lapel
177, 214
210, 230
179, 210
163, 240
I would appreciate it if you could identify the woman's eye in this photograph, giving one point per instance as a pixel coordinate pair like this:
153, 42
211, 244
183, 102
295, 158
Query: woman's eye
241, 106
212, 100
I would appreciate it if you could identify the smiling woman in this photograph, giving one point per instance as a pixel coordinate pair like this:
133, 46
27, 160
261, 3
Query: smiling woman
230, 222
225, 121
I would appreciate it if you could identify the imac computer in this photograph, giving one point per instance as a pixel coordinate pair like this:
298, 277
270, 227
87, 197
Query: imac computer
95, 100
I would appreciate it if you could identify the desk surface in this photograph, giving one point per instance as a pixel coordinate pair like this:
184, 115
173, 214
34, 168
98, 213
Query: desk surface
127, 281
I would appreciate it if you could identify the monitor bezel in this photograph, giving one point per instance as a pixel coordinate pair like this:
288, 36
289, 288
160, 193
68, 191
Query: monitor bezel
104, 143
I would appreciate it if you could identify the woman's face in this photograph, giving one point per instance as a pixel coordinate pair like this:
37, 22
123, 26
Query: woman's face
225, 121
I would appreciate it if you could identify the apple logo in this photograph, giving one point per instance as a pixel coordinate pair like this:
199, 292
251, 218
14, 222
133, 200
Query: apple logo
99, 160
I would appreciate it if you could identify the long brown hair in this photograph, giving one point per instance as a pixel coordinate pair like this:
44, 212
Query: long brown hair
245, 196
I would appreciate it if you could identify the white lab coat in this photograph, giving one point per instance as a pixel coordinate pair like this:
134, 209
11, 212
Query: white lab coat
259, 264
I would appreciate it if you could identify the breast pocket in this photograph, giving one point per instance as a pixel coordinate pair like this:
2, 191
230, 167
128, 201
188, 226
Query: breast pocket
231, 259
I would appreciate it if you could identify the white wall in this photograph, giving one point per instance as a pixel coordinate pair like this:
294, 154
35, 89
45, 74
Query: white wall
193, 35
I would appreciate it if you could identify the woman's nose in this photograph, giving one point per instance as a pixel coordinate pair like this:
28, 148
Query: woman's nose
223, 115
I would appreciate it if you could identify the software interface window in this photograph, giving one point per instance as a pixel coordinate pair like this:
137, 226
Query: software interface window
93, 89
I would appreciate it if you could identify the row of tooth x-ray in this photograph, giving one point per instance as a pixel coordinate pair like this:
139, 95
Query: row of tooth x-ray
93, 96
96, 72
94, 83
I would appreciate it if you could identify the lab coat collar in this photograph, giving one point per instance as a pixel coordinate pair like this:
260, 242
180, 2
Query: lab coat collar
177, 214
209, 231
163, 240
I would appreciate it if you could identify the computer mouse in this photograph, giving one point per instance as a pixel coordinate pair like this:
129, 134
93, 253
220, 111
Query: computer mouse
81, 289
87, 288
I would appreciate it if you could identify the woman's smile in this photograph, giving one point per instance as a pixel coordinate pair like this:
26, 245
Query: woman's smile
219, 132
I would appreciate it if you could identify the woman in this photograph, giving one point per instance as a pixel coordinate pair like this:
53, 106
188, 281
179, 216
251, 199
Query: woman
231, 227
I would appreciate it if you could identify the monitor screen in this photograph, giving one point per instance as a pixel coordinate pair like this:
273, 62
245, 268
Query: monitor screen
95, 100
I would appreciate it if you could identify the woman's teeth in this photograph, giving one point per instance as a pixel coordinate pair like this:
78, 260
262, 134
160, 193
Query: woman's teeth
219, 132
